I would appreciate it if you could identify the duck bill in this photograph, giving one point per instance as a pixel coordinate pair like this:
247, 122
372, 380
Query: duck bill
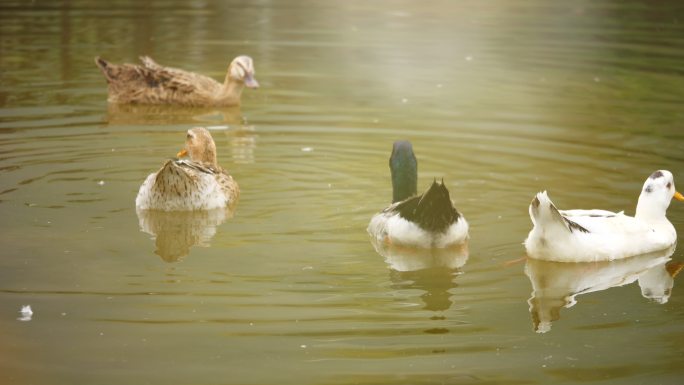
673, 268
250, 82
678, 196
182, 153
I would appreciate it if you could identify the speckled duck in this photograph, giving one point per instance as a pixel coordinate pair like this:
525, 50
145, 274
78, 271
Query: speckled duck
195, 184
151, 83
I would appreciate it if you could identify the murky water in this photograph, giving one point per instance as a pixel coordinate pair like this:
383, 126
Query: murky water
500, 99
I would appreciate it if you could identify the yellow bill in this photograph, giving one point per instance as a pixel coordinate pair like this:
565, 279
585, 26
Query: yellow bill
678, 196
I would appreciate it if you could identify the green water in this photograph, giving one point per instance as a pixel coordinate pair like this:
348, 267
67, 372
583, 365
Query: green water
501, 99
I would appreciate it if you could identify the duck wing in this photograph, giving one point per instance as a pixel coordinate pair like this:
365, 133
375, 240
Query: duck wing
607, 222
138, 81
545, 214
179, 80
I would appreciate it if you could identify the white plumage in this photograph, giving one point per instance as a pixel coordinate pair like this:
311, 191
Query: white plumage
197, 188
600, 235
389, 226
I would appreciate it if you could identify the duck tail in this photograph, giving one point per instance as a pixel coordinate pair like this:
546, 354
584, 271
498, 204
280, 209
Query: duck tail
108, 69
434, 210
148, 62
545, 215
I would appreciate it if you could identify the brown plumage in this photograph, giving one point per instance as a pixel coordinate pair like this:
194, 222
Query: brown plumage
151, 83
195, 184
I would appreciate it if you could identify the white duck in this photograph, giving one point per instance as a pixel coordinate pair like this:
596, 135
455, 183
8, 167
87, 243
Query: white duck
195, 184
599, 235
429, 220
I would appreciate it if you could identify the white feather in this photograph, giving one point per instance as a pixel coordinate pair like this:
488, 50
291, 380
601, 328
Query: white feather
26, 313
390, 227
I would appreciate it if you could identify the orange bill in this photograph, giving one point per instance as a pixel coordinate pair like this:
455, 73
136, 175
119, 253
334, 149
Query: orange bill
678, 196
673, 268
184, 152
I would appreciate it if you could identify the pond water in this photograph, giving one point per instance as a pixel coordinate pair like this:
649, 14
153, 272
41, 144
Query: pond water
500, 99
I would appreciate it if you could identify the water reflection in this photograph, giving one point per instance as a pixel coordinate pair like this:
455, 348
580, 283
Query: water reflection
432, 271
435, 282
413, 259
134, 114
556, 284
176, 232
242, 142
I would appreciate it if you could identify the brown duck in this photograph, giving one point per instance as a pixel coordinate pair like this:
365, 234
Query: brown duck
151, 83
195, 184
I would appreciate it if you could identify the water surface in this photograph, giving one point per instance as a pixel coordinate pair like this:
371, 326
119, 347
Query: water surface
500, 100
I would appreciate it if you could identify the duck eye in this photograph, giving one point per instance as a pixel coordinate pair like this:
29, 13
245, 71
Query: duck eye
189, 136
669, 185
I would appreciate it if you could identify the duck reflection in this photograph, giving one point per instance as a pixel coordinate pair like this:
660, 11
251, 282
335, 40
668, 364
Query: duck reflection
176, 232
242, 142
240, 135
557, 284
430, 270
165, 114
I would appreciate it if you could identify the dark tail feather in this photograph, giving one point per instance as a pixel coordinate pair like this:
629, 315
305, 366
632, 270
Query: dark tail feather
433, 211
105, 67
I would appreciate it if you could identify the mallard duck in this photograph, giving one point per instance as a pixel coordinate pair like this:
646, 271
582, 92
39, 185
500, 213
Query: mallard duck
152, 83
600, 235
429, 220
195, 184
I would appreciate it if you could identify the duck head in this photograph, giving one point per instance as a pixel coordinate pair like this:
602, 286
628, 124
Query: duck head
658, 191
404, 169
200, 146
241, 69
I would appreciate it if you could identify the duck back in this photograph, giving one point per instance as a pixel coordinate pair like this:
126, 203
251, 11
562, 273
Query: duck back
185, 185
152, 83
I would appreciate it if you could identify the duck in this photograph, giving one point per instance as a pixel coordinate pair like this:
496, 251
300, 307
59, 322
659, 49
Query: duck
198, 183
601, 235
152, 83
428, 220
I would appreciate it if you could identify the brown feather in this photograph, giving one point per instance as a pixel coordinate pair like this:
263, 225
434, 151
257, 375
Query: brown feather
152, 83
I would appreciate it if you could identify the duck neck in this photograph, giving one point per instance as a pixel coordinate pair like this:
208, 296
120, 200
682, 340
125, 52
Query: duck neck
404, 169
210, 157
232, 90
207, 157
650, 210
404, 181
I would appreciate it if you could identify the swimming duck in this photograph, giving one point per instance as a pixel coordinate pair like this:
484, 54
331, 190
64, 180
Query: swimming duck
600, 235
195, 184
152, 83
429, 220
